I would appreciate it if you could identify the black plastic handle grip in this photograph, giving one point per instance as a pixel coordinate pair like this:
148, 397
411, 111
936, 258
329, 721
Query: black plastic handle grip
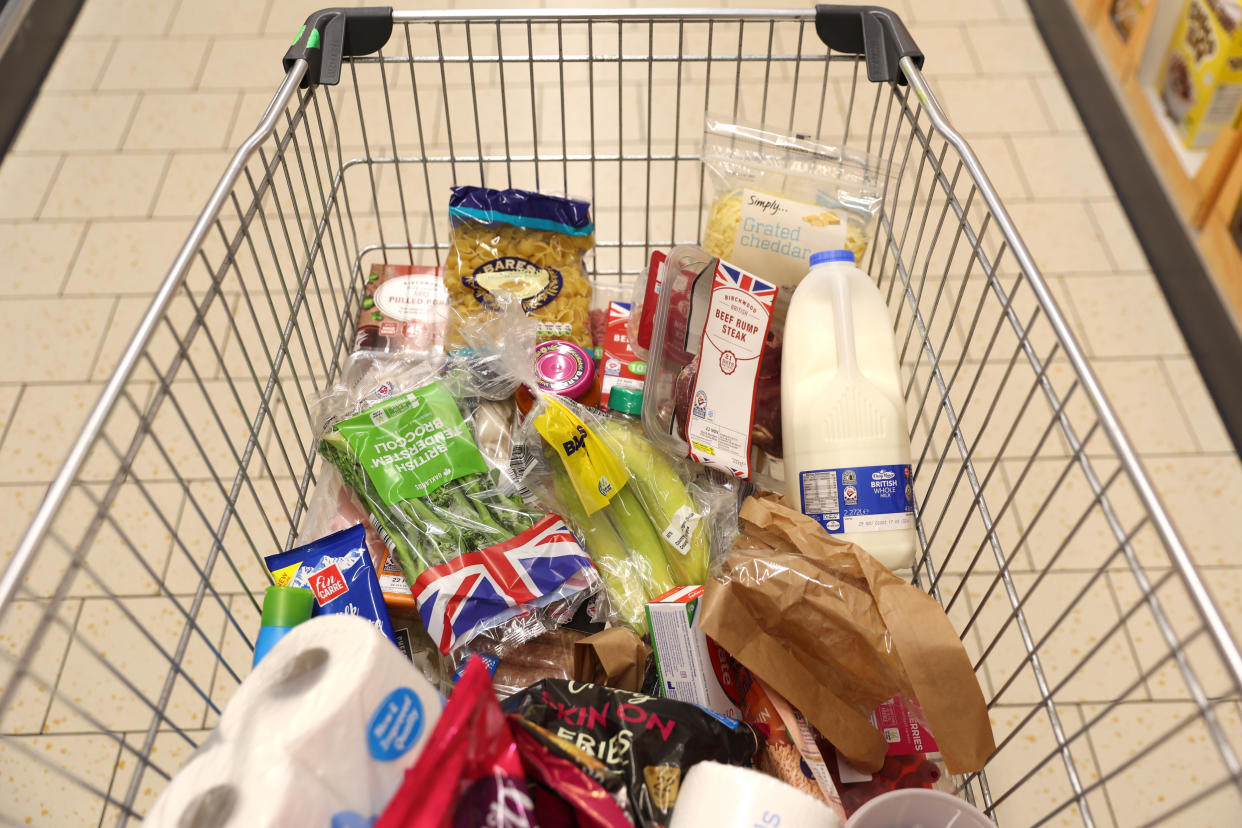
872, 31
333, 34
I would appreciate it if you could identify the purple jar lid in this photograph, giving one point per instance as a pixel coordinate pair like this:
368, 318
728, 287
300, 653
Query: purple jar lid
564, 368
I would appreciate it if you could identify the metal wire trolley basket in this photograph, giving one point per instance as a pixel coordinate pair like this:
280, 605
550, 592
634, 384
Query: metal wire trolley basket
128, 610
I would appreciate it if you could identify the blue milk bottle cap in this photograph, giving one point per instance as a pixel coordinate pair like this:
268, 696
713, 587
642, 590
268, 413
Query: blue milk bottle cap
825, 256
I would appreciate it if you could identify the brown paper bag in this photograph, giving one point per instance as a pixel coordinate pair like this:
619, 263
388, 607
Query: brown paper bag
837, 633
615, 657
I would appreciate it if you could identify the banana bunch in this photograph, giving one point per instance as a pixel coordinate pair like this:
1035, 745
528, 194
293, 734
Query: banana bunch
650, 537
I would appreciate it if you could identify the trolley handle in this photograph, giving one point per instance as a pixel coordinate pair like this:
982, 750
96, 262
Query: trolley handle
872, 31
329, 35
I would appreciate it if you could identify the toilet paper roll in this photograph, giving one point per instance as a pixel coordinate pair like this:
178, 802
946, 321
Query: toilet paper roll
334, 707
724, 796
209, 793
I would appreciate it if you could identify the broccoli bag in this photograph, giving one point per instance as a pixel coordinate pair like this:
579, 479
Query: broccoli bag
476, 556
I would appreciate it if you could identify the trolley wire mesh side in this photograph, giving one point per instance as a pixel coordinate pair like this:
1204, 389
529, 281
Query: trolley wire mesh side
1101, 676
134, 625
1035, 537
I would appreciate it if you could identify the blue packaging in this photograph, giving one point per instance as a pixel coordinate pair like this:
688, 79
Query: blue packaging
521, 208
339, 573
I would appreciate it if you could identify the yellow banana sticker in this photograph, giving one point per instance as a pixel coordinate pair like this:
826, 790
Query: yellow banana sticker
594, 470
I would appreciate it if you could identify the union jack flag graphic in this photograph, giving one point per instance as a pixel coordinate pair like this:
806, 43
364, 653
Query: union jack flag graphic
480, 589
729, 276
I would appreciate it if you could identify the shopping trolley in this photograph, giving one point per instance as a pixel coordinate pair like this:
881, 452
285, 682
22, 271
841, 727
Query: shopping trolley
128, 610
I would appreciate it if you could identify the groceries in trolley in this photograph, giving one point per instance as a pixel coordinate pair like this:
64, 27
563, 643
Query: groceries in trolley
629, 623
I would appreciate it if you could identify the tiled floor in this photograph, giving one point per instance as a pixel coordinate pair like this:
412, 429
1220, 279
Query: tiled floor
135, 124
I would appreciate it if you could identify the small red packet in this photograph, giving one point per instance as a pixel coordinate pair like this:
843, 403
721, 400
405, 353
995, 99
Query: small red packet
619, 365
904, 727
640, 333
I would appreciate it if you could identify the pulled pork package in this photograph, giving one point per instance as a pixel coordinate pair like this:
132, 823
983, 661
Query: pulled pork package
836, 633
528, 245
404, 311
653, 742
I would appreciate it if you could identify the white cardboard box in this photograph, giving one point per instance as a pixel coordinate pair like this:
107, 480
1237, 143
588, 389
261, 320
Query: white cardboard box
692, 668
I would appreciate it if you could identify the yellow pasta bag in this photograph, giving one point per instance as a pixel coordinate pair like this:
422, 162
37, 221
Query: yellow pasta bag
527, 244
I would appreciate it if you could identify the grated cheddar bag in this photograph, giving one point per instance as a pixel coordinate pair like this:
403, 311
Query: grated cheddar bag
778, 199
527, 245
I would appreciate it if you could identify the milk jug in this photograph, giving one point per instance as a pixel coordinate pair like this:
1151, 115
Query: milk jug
847, 444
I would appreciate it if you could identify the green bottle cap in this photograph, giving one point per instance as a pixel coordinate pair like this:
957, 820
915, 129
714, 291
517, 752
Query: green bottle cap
286, 606
626, 400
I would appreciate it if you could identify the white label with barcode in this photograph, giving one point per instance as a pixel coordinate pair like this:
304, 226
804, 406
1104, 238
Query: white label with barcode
680, 530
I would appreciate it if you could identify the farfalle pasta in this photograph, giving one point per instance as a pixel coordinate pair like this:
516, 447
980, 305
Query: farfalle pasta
524, 243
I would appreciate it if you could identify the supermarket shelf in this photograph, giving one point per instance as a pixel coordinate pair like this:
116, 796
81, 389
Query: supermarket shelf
1161, 207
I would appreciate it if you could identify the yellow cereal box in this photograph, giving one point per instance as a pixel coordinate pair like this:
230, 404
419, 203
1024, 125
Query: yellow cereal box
1201, 79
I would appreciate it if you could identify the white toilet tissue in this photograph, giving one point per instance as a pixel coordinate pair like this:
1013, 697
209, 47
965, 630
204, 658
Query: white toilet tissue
324, 727
209, 793
724, 796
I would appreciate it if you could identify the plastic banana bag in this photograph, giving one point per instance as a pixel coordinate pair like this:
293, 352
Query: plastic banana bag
649, 521
476, 555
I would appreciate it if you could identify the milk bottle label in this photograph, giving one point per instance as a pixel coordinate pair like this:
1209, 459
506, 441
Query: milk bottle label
860, 499
775, 235
723, 399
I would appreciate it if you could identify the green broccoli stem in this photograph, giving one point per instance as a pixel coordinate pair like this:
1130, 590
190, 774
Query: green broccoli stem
338, 455
443, 538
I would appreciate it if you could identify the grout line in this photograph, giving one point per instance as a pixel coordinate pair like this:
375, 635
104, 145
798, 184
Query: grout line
173, 546
1047, 107
265, 17
1181, 407
73, 258
70, 636
1095, 757
94, 365
975, 60
1016, 158
157, 191
210, 686
1084, 331
116, 767
197, 81
1063, 297
1125, 630
103, 68
4, 432
51, 184
233, 119
129, 125
172, 17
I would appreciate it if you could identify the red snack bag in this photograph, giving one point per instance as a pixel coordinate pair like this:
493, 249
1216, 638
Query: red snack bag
568, 784
469, 773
